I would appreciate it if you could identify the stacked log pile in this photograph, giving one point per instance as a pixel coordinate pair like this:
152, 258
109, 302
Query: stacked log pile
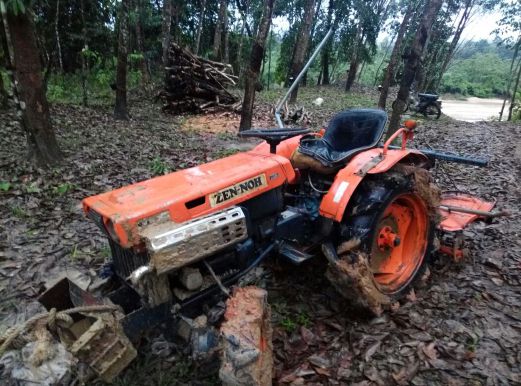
195, 84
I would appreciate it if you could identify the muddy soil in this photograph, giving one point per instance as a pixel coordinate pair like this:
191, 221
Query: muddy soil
461, 326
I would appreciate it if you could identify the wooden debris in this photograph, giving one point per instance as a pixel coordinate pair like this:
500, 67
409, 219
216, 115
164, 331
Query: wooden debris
195, 84
246, 339
295, 115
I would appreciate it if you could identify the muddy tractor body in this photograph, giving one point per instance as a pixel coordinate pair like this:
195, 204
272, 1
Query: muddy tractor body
185, 242
179, 240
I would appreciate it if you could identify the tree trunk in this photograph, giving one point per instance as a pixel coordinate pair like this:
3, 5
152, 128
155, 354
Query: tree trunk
3, 94
514, 92
510, 78
351, 74
355, 59
377, 72
166, 29
82, 55
36, 120
143, 63
393, 61
244, 9
219, 27
226, 53
469, 4
412, 61
301, 45
120, 109
361, 71
200, 28
252, 73
420, 78
57, 35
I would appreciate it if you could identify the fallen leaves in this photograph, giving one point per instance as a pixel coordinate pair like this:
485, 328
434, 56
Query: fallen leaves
461, 327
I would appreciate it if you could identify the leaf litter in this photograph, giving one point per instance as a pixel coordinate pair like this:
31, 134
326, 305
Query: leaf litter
460, 327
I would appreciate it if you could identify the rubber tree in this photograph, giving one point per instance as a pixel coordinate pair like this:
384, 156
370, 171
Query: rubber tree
326, 51
395, 55
510, 77
370, 16
82, 55
466, 14
24, 56
199, 27
301, 46
166, 27
120, 108
4, 96
253, 70
220, 30
514, 92
138, 29
413, 61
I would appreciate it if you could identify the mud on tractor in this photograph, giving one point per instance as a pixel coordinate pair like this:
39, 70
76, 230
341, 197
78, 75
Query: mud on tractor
185, 242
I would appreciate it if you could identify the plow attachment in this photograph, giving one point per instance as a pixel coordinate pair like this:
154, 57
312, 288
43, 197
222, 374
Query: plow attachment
458, 210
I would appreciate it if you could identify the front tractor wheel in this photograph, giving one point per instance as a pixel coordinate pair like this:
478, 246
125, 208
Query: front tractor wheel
385, 242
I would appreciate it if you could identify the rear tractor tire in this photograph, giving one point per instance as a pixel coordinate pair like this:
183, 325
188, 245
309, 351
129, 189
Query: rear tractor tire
385, 240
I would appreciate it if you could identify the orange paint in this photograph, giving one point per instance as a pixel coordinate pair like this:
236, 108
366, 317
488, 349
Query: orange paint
404, 258
347, 179
188, 194
455, 221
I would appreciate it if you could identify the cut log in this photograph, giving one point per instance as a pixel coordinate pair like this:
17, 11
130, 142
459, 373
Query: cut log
194, 84
247, 351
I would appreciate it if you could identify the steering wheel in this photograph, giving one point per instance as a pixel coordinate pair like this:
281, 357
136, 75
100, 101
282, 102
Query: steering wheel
273, 136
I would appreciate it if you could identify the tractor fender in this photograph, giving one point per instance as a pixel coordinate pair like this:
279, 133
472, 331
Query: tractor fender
347, 179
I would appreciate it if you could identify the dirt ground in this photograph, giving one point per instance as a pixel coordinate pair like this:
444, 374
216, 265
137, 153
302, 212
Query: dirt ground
461, 327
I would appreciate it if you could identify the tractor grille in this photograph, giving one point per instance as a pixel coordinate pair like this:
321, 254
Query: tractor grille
98, 220
172, 246
126, 261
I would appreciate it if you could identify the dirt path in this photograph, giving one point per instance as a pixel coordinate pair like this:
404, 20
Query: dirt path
473, 109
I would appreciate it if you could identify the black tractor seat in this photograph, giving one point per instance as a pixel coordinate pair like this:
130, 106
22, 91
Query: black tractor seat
428, 96
348, 133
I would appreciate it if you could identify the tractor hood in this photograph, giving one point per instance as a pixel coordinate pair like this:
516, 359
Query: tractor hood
187, 194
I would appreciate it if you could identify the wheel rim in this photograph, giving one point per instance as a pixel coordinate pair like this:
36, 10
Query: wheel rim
399, 243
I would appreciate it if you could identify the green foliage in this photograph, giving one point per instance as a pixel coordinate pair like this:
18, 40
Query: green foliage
158, 167
5, 186
15, 6
288, 324
226, 152
63, 189
481, 75
67, 88
32, 188
19, 212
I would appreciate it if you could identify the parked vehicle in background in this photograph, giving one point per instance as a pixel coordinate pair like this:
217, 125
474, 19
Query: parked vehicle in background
422, 103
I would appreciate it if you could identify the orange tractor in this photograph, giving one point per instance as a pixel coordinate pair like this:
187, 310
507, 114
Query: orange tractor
370, 211
179, 242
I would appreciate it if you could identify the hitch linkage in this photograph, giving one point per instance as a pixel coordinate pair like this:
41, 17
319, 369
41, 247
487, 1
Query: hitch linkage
449, 157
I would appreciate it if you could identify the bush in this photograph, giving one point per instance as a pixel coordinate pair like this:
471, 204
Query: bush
67, 88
